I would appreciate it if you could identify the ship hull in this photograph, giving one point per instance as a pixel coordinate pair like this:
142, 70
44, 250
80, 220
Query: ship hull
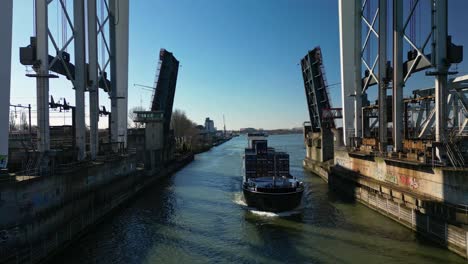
273, 202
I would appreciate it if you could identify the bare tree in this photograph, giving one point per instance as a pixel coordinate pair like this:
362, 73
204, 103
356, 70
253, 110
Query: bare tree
13, 125
180, 123
132, 116
185, 130
24, 122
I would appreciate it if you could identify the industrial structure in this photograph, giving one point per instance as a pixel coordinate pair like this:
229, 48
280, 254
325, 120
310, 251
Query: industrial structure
159, 138
6, 26
322, 115
405, 153
85, 77
60, 180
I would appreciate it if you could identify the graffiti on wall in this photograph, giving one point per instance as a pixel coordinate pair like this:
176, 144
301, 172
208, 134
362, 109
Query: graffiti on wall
410, 182
390, 177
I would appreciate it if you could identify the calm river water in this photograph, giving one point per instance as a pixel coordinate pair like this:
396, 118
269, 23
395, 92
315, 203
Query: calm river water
198, 216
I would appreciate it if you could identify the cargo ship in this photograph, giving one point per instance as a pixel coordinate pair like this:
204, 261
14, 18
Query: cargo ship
267, 184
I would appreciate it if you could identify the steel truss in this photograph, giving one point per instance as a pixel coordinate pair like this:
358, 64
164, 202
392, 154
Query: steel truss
83, 77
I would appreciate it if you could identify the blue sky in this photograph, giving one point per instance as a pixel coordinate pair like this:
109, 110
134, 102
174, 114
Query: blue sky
239, 58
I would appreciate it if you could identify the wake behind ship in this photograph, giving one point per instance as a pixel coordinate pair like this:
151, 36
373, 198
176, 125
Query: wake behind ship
268, 185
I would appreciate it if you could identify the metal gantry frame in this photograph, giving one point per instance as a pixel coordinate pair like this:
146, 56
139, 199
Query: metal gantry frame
102, 20
116, 20
119, 13
80, 83
93, 24
97, 21
441, 65
114, 16
42, 70
77, 76
380, 61
382, 78
459, 88
372, 78
420, 62
350, 76
430, 52
6, 22
438, 60
398, 81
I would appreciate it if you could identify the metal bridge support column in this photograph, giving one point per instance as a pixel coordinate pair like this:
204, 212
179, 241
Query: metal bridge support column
80, 77
382, 75
358, 132
42, 70
349, 15
440, 52
6, 23
93, 78
119, 69
357, 71
456, 113
397, 75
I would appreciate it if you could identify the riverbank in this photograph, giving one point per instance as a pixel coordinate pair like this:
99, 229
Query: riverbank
95, 193
208, 147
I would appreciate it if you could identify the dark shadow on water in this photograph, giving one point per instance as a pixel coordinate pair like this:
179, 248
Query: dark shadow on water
343, 188
110, 241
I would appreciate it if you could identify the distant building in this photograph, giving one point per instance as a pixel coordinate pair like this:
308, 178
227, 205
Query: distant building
209, 125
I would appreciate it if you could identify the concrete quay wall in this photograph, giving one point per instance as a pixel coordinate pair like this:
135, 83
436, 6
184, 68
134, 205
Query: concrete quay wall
442, 184
46, 214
